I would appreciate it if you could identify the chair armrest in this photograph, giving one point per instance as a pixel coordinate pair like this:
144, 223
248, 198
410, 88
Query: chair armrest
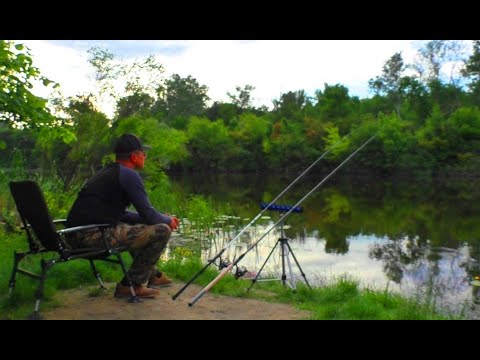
56, 221
81, 228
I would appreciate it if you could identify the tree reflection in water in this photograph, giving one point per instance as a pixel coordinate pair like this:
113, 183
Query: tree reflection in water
439, 276
397, 255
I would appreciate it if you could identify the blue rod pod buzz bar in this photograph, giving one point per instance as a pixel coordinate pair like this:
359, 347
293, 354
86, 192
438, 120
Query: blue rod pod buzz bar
281, 208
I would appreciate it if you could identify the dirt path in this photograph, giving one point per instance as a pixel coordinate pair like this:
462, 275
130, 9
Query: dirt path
79, 305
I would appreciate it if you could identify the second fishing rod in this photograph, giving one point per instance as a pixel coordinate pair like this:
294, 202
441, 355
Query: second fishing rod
219, 254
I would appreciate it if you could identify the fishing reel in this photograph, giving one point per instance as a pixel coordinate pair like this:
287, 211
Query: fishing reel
239, 270
223, 264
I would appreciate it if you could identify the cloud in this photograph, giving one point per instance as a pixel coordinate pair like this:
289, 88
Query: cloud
273, 67
64, 64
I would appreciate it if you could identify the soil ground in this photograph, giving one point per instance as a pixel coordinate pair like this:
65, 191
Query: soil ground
79, 304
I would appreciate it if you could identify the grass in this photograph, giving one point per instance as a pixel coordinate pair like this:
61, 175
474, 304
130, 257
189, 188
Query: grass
343, 299
68, 275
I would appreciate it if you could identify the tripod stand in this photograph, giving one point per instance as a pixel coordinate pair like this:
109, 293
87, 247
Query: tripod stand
286, 251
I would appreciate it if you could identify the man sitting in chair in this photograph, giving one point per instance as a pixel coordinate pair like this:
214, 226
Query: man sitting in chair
104, 199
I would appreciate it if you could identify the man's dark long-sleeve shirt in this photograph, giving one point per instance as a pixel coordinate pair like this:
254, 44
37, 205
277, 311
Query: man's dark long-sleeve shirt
105, 197
132, 184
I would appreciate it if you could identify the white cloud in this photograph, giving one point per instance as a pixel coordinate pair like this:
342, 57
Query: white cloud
62, 64
272, 67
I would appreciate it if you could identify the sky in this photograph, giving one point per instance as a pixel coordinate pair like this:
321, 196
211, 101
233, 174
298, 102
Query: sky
273, 67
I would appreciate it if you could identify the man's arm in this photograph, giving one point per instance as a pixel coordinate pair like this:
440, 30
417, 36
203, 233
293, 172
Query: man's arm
132, 184
131, 217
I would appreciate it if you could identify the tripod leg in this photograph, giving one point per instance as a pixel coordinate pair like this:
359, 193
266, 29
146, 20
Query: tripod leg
284, 253
265, 263
296, 261
289, 263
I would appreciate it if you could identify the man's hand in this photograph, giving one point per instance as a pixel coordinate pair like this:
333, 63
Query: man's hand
173, 223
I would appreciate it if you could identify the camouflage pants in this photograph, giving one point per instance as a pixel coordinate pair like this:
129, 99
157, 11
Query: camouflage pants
144, 242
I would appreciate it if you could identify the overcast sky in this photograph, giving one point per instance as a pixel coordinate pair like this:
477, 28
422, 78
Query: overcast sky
271, 66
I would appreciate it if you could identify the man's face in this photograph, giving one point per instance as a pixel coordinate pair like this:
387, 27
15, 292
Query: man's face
138, 159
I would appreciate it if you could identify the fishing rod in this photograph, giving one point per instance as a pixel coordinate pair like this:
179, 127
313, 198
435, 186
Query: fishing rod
256, 218
230, 266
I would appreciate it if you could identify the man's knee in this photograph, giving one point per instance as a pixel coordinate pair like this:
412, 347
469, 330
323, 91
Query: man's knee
162, 232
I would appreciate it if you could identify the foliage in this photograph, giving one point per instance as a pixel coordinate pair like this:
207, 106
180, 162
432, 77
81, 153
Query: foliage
335, 105
395, 141
18, 106
137, 103
435, 55
208, 143
285, 148
250, 133
332, 138
178, 99
434, 126
472, 71
291, 105
223, 111
142, 76
243, 99
390, 82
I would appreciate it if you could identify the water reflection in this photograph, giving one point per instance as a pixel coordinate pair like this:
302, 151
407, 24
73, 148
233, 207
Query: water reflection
422, 240
398, 255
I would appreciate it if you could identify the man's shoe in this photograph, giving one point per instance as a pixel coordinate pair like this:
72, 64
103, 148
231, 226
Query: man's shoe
157, 281
122, 291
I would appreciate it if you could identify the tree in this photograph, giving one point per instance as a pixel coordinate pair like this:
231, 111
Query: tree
291, 105
250, 134
389, 83
208, 143
332, 138
335, 105
244, 97
137, 103
225, 111
18, 106
472, 71
139, 79
76, 148
416, 105
178, 99
435, 55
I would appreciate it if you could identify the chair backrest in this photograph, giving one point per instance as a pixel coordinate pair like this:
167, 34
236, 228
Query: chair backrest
33, 210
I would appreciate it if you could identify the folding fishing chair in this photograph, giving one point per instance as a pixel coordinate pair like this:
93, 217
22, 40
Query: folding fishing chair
43, 237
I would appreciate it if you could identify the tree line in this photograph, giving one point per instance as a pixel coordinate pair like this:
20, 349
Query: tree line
426, 123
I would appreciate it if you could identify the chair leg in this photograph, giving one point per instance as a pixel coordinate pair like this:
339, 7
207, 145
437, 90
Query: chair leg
17, 257
97, 275
134, 298
46, 265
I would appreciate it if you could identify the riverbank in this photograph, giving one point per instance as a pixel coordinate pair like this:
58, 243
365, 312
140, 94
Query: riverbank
91, 304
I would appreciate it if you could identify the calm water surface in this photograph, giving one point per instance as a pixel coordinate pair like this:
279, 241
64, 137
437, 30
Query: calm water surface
420, 239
